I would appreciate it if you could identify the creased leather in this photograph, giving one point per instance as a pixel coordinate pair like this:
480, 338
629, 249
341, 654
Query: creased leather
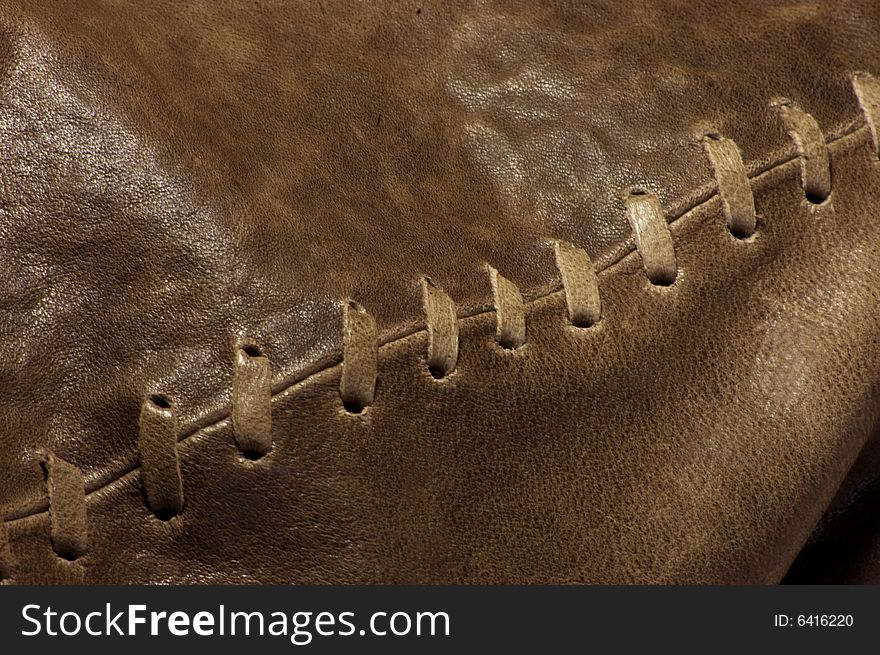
178, 179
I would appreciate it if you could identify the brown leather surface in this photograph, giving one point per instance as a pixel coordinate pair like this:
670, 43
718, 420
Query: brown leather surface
177, 179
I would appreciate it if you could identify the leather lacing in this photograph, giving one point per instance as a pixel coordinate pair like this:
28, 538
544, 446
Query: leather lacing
867, 89
157, 444
810, 142
252, 402
360, 351
733, 185
251, 414
67, 506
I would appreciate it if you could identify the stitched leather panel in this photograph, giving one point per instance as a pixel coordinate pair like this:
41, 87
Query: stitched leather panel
176, 179
686, 442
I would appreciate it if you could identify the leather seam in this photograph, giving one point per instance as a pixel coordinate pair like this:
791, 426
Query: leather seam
622, 252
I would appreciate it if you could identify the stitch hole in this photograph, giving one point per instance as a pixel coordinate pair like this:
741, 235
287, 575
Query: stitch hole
740, 235
352, 407
160, 401
252, 455
747, 238
165, 515
664, 281
815, 199
436, 372
661, 285
251, 350
583, 323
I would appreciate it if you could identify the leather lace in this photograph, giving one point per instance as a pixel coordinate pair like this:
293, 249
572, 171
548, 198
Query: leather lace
251, 413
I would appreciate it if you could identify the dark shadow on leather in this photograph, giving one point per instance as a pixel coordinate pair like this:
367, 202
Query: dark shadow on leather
844, 548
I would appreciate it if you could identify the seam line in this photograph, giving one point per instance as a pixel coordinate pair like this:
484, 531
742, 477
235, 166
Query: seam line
624, 249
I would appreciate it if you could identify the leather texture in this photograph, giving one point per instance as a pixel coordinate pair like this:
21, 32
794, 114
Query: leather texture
178, 179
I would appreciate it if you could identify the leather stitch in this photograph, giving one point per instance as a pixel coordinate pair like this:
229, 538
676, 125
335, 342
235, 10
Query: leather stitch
737, 199
867, 90
160, 463
441, 322
360, 353
250, 414
580, 284
653, 237
252, 402
810, 143
68, 527
510, 314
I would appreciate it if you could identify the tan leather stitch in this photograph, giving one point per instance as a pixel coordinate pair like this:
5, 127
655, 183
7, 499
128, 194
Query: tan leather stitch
252, 402
160, 465
653, 237
867, 90
510, 314
67, 506
442, 324
810, 142
360, 350
733, 184
302, 376
580, 283
7, 561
